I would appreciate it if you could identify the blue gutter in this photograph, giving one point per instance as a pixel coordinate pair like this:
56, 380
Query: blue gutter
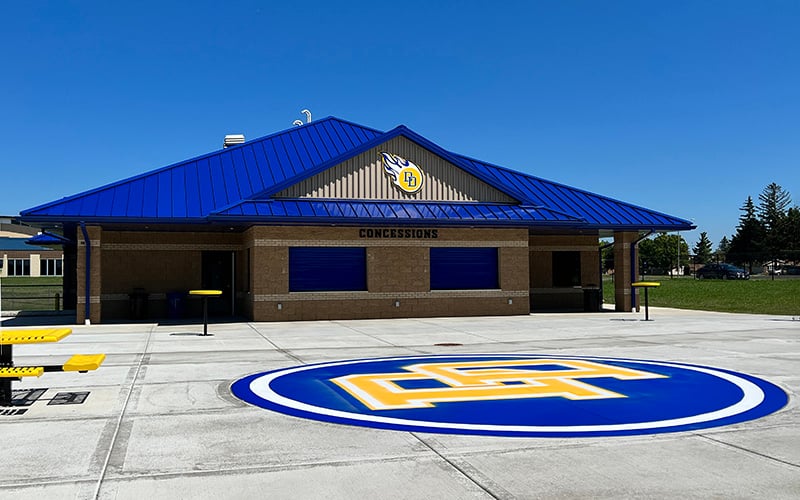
88, 269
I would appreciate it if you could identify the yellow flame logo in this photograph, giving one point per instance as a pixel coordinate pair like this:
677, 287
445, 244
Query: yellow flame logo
404, 174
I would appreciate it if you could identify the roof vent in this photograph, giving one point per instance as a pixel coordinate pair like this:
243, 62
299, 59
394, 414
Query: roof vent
233, 139
306, 112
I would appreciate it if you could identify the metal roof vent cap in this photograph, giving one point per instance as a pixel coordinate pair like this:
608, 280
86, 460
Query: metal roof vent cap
232, 140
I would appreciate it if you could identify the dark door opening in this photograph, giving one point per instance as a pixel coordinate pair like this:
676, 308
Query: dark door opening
217, 269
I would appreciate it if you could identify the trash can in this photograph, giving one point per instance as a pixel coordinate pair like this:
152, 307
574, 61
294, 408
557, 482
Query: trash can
592, 300
138, 303
175, 304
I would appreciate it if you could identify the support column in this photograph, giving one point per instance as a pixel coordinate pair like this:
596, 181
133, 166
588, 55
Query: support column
95, 275
70, 279
625, 270
269, 268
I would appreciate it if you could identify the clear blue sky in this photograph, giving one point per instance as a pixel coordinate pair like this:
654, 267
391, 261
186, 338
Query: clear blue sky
682, 107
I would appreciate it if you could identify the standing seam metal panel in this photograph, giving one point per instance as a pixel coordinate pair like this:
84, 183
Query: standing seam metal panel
243, 181
264, 165
121, 200
194, 207
274, 161
363, 177
150, 191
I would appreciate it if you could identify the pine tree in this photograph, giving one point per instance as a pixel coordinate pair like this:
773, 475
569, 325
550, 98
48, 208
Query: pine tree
772, 211
748, 243
791, 227
702, 249
773, 204
723, 248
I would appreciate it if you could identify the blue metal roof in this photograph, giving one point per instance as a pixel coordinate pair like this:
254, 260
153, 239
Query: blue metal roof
598, 211
18, 244
238, 183
305, 210
46, 238
192, 189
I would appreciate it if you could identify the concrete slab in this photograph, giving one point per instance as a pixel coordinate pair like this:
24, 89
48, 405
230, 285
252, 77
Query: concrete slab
160, 420
387, 479
683, 467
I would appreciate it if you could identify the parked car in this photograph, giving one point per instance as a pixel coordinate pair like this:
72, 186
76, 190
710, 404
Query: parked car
791, 270
722, 271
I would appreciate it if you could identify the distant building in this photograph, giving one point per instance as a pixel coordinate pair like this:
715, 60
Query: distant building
334, 220
22, 259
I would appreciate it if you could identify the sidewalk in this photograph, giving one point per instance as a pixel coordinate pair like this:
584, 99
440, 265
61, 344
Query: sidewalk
160, 420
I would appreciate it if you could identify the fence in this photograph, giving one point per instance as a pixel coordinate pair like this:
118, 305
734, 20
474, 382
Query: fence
31, 297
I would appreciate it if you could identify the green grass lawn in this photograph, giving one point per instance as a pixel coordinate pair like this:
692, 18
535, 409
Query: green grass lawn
23, 293
755, 296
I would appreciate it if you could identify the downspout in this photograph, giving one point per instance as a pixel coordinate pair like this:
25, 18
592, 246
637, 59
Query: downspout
88, 272
634, 276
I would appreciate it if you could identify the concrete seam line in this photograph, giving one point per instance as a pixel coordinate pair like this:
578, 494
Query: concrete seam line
747, 450
273, 344
103, 470
460, 470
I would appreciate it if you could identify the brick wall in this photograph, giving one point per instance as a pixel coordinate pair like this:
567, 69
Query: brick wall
541, 247
393, 291
398, 280
156, 262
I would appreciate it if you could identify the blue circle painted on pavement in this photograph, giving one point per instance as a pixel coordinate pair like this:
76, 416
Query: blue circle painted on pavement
514, 395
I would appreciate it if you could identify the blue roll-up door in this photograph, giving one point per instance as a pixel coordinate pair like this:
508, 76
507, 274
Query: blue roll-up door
464, 268
327, 269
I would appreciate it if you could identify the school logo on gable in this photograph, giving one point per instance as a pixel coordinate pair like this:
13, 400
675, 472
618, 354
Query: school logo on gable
515, 395
404, 174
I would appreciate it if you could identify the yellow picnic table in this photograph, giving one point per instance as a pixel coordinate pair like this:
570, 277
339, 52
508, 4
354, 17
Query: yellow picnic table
647, 285
8, 372
205, 294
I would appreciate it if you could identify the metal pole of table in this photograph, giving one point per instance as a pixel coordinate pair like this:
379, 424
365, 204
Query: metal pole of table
205, 294
205, 315
6, 360
646, 305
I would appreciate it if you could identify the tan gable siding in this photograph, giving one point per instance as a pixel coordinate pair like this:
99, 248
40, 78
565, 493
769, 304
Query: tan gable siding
363, 177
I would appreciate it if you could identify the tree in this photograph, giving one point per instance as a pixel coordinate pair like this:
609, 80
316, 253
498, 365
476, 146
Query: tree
748, 242
702, 250
723, 248
773, 204
791, 227
772, 210
663, 253
607, 255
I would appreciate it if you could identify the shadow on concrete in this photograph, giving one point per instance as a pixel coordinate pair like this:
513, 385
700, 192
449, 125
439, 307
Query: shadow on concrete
40, 318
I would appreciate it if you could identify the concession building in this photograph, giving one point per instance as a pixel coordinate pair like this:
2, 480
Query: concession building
334, 220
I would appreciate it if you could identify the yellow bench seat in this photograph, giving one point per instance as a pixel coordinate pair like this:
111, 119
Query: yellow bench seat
21, 371
34, 336
84, 362
77, 363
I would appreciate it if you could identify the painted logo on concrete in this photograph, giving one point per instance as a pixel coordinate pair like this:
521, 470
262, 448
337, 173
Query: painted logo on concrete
515, 395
